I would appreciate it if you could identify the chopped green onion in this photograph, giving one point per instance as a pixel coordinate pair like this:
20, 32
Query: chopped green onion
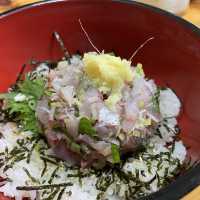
85, 127
32, 104
115, 153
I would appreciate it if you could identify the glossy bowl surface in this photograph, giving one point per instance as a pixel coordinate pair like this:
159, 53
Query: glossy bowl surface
172, 58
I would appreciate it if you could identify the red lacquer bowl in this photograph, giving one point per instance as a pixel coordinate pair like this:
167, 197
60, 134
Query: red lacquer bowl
172, 58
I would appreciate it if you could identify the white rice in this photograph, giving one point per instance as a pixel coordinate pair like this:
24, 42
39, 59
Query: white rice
169, 103
86, 189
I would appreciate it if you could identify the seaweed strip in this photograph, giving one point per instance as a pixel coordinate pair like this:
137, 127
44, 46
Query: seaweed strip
43, 187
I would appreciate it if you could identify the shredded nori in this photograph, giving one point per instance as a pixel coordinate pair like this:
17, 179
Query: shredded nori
61, 194
53, 175
44, 187
31, 150
45, 158
44, 169
52, 194
29, 175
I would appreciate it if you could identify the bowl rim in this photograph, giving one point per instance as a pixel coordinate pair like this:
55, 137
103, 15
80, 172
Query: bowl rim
191, 179
177, 18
